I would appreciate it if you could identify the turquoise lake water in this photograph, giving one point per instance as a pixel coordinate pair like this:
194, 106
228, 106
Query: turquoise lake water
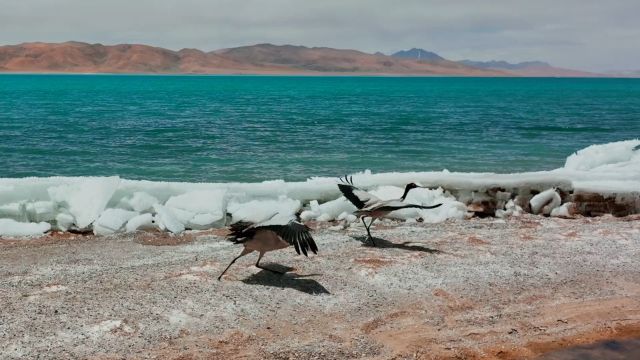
254, 128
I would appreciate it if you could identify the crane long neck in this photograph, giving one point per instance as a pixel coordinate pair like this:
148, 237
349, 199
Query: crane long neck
406, 191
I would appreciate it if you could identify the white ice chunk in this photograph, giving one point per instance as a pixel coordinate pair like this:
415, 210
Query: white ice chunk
64, 221
308, 215
158, 222
168, 220
324, 217
205, 221
510, 205
259, 210
450, 209
596, 156
277, 219
329, 210
200, 202
183, 216
611, 169
38, 211
142, 221
314, 206
112, 220
141, 201
510, 209
6, 188
336, 207
16, 211
545, 201
10, 227
85, 199
347, 217
342, 216
388, 192
562, 211
609, 187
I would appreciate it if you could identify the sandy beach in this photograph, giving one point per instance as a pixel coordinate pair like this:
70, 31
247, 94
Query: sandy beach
471, 289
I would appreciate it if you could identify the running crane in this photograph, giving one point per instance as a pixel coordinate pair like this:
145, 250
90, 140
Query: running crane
371, 206
265, 238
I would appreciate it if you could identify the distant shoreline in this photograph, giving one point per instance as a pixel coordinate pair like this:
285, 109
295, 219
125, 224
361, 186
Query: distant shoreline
311, 74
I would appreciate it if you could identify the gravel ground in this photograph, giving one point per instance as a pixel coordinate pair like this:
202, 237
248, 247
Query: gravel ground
479, 288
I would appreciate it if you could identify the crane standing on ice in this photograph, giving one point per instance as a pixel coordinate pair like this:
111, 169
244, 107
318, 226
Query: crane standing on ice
265, 238
371, 206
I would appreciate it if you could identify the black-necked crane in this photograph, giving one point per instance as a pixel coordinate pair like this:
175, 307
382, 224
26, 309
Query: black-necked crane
265, 238
371, 206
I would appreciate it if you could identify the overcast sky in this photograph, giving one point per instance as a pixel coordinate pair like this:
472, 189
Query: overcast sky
584, 34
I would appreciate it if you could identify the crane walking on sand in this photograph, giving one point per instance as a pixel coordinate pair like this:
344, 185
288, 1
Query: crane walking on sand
371, 206
265, 238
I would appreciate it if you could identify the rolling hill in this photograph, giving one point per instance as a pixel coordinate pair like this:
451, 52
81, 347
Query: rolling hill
79, 57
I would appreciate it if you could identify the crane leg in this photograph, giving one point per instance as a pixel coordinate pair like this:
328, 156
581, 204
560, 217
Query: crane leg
368, 231
264, 268
244, 252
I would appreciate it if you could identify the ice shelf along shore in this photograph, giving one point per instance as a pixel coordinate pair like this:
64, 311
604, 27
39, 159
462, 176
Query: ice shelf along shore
597, 180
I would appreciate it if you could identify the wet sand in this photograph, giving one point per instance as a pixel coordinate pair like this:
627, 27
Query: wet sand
474, 289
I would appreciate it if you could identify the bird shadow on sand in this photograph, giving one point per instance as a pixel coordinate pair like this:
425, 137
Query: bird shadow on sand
386, 244
288, 280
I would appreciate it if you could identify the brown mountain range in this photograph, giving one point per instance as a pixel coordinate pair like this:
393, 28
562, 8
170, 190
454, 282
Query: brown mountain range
77, 57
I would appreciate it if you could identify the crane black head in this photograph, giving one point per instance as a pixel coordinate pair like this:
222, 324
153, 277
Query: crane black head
407, 189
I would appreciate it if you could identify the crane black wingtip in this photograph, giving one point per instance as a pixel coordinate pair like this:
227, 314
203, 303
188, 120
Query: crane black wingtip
346, 179
240, 230
347, 191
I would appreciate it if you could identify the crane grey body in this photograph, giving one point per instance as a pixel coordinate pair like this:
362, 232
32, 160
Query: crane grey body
265, 238
371, 206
